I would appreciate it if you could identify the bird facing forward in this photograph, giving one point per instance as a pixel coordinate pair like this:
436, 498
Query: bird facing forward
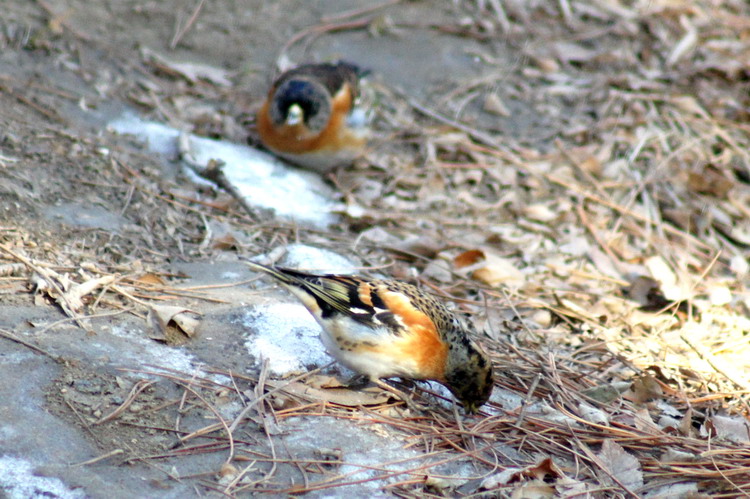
309, 116
385, 328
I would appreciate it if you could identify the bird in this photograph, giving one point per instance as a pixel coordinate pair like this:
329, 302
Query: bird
387, 328
310, 116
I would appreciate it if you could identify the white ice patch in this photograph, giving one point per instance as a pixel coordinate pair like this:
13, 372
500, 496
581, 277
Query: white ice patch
153, 353
317, 260
285, 334
262, 179
18, 481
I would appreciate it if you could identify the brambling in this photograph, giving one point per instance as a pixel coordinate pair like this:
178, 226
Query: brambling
383, 329
310, 117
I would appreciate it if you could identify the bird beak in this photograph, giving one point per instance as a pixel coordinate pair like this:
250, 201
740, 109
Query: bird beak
471, 408
294, 115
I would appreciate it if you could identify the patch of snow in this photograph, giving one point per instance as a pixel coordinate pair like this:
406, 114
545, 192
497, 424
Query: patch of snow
318, 260
153, 353
285, 334
18, 481
262, 179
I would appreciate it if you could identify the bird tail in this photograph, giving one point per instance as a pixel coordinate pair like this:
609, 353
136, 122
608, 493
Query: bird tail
324, 293
287, 276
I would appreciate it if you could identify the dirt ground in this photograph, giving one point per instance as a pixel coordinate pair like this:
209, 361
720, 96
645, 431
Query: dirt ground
574, 175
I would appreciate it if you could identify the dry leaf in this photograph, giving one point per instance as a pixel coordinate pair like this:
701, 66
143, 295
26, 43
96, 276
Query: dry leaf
494, 105
489, 268
494, 481
644, 422
225, 242
607, 393
592, 414
539, 212
443, 485
334, 392
170, 324
644, 388
711, 181
467, 258
438, 270
621, 465
76, 292
735, 429
682, 490
686, 424
536, 489
150, 279
537, 472
661, 271
188, 70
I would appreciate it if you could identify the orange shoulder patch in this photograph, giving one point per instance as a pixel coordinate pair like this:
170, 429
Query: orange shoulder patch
424, 343
297, 139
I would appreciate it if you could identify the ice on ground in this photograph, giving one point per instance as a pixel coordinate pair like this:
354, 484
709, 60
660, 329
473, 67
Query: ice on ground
318, 260
18, 481
153, 353
285, 334
262, 179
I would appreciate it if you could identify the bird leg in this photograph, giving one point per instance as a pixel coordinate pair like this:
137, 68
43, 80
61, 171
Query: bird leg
357, 381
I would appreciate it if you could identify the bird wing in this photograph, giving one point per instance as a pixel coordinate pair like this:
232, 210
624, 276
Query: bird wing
354, 297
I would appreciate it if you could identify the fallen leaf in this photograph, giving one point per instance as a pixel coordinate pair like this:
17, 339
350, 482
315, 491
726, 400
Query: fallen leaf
438, 270
592, 414
225, 242
336, 394
443, 485
735, 429
687, 490
170, 324
150, 279
536, 489
607, 393
644, 422
536, 472
648, 294
539, 212
188, 70
710, 180
645, 388
493, 104
489, 268
621, 465
76, 292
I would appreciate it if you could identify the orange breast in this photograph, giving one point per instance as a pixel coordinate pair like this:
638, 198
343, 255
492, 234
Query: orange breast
423, 344
298, 139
